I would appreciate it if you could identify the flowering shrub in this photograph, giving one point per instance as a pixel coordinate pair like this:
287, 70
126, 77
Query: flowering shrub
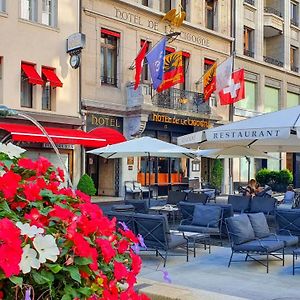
56, 244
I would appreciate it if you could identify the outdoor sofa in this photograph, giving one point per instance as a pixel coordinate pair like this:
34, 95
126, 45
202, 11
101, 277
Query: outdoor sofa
288, 220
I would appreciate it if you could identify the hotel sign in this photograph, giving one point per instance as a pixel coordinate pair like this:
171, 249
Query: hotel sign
96, 120
179, 120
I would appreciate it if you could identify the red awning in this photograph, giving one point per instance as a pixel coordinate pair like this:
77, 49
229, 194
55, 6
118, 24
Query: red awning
111, 135
32, 74
28, 133
52, 77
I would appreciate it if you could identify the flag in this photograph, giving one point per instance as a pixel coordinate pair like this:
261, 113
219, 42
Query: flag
236, 90
223, 76
209, 81
139, 64
155, 59
173, 71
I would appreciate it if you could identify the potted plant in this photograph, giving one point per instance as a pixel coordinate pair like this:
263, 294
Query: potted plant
217, 175
86, 185
56, 244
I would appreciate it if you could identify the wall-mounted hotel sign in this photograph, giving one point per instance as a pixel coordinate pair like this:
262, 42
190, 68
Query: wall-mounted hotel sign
97, 120
179, 120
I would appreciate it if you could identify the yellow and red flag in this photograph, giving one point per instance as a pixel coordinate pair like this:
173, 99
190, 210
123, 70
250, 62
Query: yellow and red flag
173, 71
209, 81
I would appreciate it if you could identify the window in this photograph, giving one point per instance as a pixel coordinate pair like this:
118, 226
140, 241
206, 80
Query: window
248, 42
244, 168
2, 6
249, 102
49, 12
294, 59
26, 91
210, 12
184, 7
273, 164
292, 99
109, 53
294, 14
145, 72
29, 10
185, 66
271, 101
166, 5
46, 97
145, 2
207, 64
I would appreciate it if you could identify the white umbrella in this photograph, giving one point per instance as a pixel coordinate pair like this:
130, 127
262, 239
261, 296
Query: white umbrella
144, 146
272, 132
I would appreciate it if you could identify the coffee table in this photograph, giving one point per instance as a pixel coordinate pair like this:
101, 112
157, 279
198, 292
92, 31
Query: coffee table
170, 209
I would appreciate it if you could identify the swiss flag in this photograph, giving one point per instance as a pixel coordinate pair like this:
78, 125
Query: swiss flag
139, 64
236, 90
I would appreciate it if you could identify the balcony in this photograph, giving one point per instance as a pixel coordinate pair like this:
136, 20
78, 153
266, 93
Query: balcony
248, 53
181, 100
294, 22
273, 61
273, 22
251, 2
295, 69
273, 11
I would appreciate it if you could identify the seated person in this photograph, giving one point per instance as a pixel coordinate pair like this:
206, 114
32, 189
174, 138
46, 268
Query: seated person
289, 195
251, 188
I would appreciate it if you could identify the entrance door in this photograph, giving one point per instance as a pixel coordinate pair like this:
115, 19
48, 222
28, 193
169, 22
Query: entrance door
92, 169
106, 177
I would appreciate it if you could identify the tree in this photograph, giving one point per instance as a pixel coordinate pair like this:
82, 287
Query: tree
86, 185
217, 174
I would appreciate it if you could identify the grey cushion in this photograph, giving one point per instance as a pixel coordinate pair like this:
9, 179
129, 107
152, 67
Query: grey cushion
176, 241
206, 215
199, 229
240, 229
259, 225
262, 246
288, 240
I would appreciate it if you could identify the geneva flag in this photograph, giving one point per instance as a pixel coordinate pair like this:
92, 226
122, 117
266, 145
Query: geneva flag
209, 81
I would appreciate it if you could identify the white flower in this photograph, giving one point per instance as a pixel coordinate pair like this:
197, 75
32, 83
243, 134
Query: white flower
46, 247
30, 231
29, 260
11, 150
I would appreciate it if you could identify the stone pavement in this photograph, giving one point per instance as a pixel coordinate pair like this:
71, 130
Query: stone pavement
208, 277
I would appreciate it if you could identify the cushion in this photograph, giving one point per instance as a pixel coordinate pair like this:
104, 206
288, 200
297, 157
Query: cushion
259, 246
240, 229
259, 225
288, 240
206, 216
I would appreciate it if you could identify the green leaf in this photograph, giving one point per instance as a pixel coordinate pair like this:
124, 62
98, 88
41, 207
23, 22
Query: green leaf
5, 211
54, 268
82, 261
7, 163
44, 211
74, 273
44, 277
86, 291
16, 280
66, 297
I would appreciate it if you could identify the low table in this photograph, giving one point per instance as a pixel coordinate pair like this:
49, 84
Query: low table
195, 238
170, 209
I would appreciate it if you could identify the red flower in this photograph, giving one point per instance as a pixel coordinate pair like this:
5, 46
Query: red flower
136, 262
129, 235
120, 271
27, 163
61, 174
61, 213
36, 218
83, 196
9, 184
123, 246
32, 191
43, 164
106, 248
18, 205
10, 247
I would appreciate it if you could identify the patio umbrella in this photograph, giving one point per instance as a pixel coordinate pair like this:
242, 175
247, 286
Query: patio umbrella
144, 146
271, 132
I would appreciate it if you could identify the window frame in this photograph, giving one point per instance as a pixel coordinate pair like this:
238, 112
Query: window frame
52, 13
24, 84
145, 76
2, 6
294, 12
32, 12
212, 10
166, 5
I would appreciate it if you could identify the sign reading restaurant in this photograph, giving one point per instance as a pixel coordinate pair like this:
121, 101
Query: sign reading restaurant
185, 121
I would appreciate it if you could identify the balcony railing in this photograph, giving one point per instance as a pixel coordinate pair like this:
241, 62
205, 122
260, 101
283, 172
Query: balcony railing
181, 100
248, 53
274, 11
294, 22
251, 2
109, 80
295, 69
273, 61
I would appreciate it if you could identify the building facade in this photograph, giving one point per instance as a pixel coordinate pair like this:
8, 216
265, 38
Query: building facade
267, 40
115, 31
36, 78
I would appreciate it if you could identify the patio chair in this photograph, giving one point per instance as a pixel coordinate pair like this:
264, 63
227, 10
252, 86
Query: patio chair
174, 197
288, 220
140, 205
157, 236
206, 219
131, 190
196, 198
240, 204
145, 190
187, 209
266, 205
244, 241
126, 217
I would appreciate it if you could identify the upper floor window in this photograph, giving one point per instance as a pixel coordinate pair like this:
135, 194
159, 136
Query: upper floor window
271, 99
249, 103
184, 6
109, 55
292, 99
29, 10
294, 58
185, 66
207, 64
145, 72
294, 13
49, 12
248, 41
166, 5
210, 14
2, 5
145, 2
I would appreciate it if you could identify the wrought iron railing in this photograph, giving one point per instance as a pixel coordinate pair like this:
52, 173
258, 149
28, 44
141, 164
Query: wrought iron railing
248, 53
294, 22
272, 10
251, 2
295, 69
109, 80
181, 100
273, 61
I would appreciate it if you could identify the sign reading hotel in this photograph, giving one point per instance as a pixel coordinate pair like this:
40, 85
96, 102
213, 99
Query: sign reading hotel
179, 120
135, 19
96, 120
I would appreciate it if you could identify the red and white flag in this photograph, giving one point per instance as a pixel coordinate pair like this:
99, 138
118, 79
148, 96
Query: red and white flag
223, 74
139, 64
236, 90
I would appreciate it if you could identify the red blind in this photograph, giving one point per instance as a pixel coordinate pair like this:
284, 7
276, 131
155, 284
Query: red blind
208, 61
170, 49
110, 32
186, 54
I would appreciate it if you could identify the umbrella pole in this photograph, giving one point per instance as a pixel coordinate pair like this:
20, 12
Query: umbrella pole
249, 164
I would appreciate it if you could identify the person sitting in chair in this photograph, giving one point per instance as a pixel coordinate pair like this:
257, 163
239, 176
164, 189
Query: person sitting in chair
289, 195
